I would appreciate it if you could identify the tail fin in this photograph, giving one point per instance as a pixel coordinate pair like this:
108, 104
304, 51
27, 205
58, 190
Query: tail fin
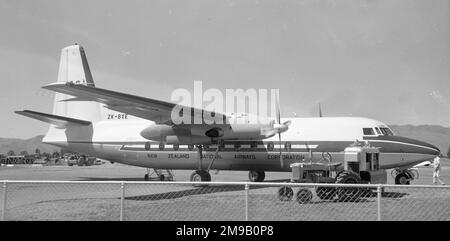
73, 67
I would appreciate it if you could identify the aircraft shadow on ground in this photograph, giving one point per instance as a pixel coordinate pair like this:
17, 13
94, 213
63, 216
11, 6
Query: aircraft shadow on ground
189, 192
178, 194
125, 179
198, 191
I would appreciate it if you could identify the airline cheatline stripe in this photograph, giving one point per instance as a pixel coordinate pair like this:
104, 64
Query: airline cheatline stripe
295, 146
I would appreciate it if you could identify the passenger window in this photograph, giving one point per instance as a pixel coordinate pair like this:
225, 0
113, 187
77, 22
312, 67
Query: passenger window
237, 146
221, 146
368, 131
287, 146
270, 146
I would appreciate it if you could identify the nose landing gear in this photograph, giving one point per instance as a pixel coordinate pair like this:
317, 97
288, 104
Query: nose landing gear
404, 176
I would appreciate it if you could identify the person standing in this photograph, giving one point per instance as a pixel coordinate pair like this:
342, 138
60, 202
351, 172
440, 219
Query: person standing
437, 170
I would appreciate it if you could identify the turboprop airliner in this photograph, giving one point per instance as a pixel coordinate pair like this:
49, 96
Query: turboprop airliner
139, 131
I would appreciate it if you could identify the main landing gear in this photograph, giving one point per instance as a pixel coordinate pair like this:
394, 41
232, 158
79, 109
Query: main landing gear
256, 176
201, 175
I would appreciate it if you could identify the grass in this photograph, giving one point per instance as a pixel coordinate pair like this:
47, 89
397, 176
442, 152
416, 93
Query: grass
224, 203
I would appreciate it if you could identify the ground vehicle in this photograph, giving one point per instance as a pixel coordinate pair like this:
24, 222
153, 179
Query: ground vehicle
80, 160
72, 160
361, 165
97, 161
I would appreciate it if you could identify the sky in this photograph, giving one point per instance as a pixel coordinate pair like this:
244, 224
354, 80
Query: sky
382, 59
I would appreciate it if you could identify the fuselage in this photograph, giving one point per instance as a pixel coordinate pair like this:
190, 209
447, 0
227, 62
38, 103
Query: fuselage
307, 139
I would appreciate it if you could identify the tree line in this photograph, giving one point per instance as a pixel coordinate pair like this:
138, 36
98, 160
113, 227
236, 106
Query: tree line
37, 154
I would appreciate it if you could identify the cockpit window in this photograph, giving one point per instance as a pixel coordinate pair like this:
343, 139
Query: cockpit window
368, 131
378, 131
386, 131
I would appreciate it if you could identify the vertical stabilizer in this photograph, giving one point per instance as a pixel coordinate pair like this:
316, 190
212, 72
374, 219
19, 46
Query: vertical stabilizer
73, 67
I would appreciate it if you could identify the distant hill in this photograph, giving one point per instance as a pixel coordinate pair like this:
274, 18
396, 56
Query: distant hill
433, 134
29, 145
436, 135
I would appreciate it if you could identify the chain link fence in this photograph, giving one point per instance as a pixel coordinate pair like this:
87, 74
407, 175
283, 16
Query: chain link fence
217, 201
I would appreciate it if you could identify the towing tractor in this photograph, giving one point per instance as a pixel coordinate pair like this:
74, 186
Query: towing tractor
360, 165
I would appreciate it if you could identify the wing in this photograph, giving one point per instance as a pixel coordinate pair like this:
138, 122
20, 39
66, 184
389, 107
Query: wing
150, 109
59, 121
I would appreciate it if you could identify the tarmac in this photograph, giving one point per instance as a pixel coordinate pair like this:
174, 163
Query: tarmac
119, 172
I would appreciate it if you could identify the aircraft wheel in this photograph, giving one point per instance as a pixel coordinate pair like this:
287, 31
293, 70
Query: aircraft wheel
162, 177
402, 179
304, 196
146, 177
256, 176
285, 193
200, 176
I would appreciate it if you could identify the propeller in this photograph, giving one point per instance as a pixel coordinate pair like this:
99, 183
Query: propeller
276, 127
280, 127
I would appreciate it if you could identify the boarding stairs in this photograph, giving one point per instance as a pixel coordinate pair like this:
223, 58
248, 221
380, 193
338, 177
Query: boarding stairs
162, 174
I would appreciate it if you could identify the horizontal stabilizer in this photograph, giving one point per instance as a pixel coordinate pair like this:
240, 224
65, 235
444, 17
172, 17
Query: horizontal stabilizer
59, 121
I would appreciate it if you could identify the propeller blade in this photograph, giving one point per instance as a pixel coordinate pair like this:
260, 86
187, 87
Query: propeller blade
280, 127
287, 123
320, 111
281, 154
277, 99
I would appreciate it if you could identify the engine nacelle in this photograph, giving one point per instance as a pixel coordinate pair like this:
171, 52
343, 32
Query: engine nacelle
157, 132
207, 134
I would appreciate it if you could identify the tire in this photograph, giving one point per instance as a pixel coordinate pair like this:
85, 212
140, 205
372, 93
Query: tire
256, 176
326, 193
162, 177
285, 193
348, 193
146, 177
402, 179
200, 176
208, 176
304, 196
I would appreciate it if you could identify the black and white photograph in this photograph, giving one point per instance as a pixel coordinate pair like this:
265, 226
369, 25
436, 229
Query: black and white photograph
225, 110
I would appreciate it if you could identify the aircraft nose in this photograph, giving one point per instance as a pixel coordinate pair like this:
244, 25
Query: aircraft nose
420, 146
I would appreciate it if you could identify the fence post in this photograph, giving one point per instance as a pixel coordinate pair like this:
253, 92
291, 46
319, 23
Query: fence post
246, 202
379, 202
4, 202
122, 197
